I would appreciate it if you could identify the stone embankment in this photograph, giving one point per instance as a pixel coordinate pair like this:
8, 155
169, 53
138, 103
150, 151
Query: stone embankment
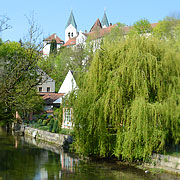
58, 139
165, 162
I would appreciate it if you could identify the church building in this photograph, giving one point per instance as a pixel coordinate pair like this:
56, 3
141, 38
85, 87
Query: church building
73, 37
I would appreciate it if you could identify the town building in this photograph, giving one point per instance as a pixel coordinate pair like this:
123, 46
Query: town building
73, 37
69, 84
47, 44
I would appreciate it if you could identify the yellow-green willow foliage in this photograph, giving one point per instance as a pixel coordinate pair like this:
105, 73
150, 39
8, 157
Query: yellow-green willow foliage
129, 104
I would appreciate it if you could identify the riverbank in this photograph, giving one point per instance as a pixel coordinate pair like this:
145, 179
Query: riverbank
61, 140
164, 163
157, 163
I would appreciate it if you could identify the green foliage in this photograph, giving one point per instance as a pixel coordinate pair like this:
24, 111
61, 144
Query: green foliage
67, 132
51, 124
116, 33
169, 29
57, 66
18, 77
39, 121
140, 27
55, 127
166, 28
53, 47
45, 122
129, 104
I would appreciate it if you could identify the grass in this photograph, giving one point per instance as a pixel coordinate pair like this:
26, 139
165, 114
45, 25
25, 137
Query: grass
174, 154
46, 128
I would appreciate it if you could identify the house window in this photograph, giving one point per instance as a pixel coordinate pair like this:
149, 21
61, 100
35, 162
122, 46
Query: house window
48, 89
72, 34
67, 118
67, 115
40, 89
69, 34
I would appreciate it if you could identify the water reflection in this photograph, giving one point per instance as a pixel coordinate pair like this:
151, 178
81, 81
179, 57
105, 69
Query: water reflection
23, 158
53, 167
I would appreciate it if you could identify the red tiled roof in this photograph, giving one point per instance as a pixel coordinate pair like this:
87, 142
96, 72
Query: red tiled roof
97, 25
154, 25
98, 33
70, 42
54, 36
49, 98
102, 32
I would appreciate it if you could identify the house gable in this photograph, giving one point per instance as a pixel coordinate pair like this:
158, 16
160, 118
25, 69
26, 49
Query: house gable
68, 84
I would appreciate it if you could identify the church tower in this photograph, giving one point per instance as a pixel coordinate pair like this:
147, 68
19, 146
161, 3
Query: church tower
104, 21
71, 28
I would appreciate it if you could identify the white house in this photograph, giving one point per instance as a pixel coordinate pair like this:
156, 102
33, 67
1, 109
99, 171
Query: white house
47, 44
68, 85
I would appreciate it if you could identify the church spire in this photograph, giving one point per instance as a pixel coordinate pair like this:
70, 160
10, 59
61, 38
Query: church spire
104, 21
71, 21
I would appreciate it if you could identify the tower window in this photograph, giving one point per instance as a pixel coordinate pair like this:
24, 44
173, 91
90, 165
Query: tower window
69, 34
72, 34
48, 89
40, 89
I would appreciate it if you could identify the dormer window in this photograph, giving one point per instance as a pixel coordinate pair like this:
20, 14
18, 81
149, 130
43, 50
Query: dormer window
72, 34
69, 34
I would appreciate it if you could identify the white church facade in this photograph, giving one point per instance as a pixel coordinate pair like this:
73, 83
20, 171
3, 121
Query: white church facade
73, 37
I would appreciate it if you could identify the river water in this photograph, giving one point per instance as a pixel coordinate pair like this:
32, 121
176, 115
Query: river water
26, 159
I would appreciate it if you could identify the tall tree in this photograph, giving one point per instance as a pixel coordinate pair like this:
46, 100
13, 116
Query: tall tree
18, 75
129, 105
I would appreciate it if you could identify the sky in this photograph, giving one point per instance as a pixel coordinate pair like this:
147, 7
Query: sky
52, 15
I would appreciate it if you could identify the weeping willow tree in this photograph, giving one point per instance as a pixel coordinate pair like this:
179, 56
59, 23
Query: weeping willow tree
129, 103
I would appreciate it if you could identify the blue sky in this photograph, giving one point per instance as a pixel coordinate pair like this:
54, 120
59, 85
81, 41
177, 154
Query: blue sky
52, 15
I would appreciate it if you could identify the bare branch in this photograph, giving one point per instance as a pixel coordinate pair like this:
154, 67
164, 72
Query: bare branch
33, 37
4, 23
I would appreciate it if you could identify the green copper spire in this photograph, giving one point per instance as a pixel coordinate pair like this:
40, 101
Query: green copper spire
104, 21
71, 20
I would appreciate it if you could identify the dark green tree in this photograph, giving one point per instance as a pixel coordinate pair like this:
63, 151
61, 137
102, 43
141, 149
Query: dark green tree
53, 47
18, 77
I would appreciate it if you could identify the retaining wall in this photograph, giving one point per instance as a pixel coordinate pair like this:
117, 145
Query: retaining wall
168, 163
58, 139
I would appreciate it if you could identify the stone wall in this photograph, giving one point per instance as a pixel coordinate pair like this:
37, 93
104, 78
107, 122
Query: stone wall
59, 139
168, 163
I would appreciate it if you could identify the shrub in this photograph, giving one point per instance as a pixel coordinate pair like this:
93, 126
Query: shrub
45, 122
39, 121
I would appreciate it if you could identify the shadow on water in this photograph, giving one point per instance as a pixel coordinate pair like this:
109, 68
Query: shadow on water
23, 158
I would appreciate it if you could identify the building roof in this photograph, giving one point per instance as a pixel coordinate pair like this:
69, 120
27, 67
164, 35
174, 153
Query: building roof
154, 25
104, 21
96, 26
68, 84
71, 21
71, 42
49, 98
54, 37
128, 28
99, 33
